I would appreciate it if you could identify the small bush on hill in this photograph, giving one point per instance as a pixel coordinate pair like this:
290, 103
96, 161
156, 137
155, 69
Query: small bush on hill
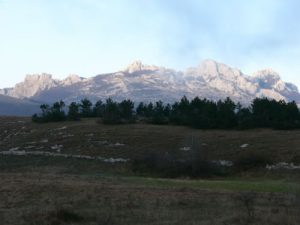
251, 160
171, 166
51, 114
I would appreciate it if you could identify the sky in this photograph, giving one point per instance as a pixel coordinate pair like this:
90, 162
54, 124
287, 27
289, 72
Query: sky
89, 37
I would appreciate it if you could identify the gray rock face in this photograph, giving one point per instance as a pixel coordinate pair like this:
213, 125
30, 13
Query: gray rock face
141, 82
72, 79
32, 85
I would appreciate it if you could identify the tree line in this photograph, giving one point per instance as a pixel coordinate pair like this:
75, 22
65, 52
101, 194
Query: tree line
197, 113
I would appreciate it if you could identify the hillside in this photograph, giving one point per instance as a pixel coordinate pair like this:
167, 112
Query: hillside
90, 138
80, 173
17, 107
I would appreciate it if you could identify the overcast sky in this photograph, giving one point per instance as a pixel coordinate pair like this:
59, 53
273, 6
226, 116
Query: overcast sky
89, 37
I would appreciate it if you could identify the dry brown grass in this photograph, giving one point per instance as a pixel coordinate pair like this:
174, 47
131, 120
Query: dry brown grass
30, 198
90, 138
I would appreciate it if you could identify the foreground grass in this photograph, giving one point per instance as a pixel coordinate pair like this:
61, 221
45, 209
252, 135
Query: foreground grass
48, 198
273, 186
47, 191
236, 184
121, 174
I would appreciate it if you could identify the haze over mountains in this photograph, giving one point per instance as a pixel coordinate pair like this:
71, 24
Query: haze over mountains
141, 82
17, 107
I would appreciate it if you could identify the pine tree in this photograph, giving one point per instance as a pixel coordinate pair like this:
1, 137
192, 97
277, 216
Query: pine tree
73, 113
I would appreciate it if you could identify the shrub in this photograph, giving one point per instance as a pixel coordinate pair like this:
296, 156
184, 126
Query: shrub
251, 160
67, 216
170, 166
285, 125
50, 114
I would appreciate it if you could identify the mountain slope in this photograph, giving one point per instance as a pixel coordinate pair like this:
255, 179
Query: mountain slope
141, 82
17, 107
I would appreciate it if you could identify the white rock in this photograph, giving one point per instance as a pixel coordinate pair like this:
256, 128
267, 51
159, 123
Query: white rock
118, 144
244, 145
68, 135
185, 148
56, 147
52, 154
283, 165
61, 128
223, 162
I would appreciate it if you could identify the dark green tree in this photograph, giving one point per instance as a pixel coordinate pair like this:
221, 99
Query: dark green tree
141, 109
226, 114
98, 109
111, 113
57, 111
126, 109
73, 113
158, 115
149, 110
86, 108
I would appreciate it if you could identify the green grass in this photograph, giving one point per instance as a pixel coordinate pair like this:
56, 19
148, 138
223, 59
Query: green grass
120, 174
274, 186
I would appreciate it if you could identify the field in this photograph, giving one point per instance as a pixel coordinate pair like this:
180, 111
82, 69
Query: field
85, 177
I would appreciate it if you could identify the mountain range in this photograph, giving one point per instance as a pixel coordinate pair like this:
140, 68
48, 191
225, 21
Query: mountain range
139, 82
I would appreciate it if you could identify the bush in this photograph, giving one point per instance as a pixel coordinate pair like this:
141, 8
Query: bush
67, 216
251, 160
171, 167
285, 125
118, 113
50, 114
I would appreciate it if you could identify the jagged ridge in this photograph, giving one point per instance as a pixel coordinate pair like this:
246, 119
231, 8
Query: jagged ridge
141, 82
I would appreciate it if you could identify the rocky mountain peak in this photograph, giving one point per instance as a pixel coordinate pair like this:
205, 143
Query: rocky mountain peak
267, 74
137, 66
72, 79
225, 78
268, 78
211, 69
208, 66
44, 77
32, 84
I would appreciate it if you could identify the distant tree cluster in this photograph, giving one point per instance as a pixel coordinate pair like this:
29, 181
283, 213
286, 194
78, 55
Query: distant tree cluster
55, 113
223, 114
110, 111
197, 113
